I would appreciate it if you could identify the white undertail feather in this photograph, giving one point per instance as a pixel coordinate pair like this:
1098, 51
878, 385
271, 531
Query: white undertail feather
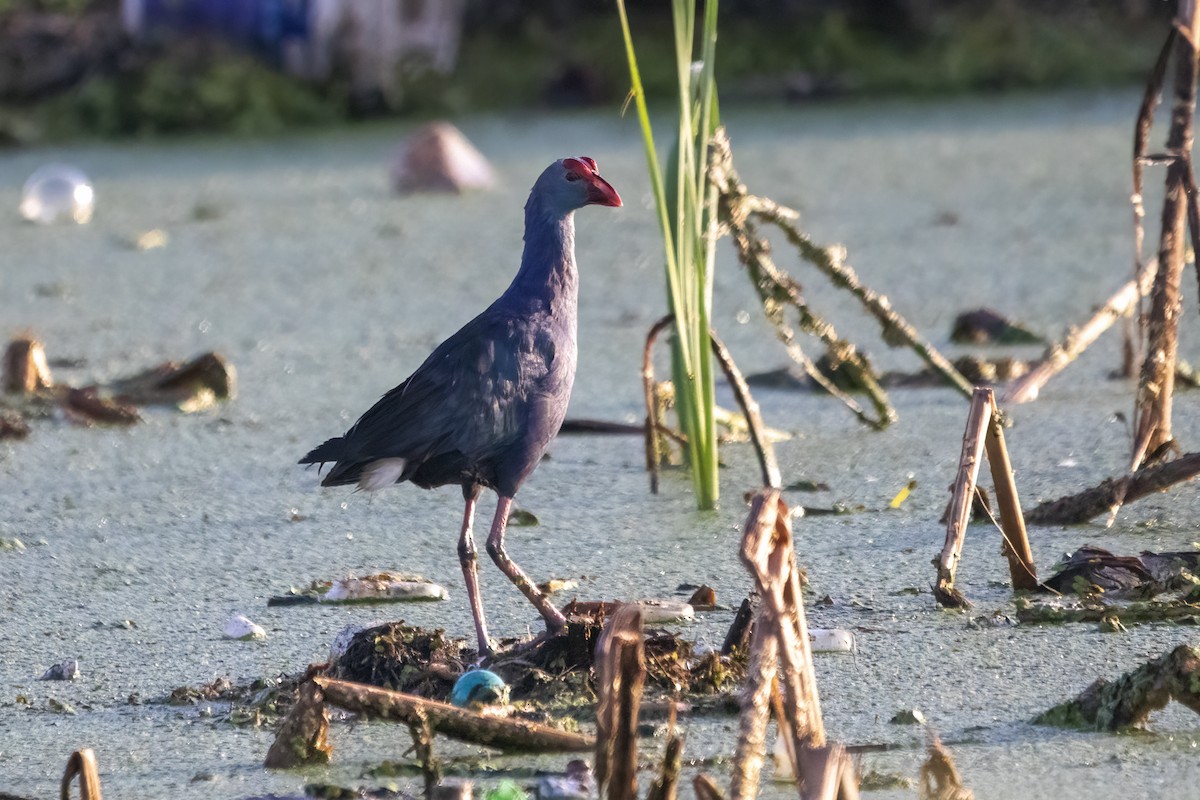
381, 473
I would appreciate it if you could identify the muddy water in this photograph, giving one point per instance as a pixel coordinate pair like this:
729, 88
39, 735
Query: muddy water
324, 290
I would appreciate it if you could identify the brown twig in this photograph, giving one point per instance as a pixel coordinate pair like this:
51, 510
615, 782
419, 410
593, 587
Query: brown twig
620, 678
960, 506
1021, 568
754, 421
653, 424
301, 738
82, 763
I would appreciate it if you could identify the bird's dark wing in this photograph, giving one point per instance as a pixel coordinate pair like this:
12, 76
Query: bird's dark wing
470, 397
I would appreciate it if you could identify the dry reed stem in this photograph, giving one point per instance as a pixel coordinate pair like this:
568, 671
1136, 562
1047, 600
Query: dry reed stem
960, 506
1077, 339
620, 678
25, 367
755, 712
1021, 568
754, 421
653, 423
81, 763
1157, 381
706, 788
302, 736
939, 777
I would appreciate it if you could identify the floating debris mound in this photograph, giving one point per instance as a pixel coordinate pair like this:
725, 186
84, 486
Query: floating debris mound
30, 391
403, 658
427, 662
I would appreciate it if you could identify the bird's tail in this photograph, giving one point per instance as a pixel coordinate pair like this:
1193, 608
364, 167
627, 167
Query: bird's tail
331, 450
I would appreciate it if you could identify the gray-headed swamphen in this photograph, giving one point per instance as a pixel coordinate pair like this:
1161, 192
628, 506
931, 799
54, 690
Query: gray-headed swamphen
481, 409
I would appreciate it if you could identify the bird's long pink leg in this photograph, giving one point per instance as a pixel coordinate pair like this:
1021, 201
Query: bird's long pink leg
470, 568
555, 621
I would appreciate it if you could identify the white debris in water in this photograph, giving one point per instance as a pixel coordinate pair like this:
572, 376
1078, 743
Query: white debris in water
832, 640
660, 611
341, 642
383, 587
241, 628
57, 192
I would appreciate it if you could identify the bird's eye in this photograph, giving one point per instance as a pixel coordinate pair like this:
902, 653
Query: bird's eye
573, 176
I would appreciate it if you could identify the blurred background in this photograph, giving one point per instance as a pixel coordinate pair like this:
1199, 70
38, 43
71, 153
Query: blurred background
71, 68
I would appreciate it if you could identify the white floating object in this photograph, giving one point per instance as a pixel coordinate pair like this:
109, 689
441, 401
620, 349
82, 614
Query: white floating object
832, 640
383, 587
57, 192
241, 628
341, 642
660, 611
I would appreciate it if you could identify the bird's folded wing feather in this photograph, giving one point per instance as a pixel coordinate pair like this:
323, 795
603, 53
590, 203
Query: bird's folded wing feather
467, 396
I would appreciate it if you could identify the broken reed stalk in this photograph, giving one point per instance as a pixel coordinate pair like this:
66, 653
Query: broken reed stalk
459, 723
960, 505
706, 788
1128, 701
1079, 508
781, 656
665, 786
1021, 569
81, 764
755, 713
302, 736
1157, 382
1077, 339
620, 678
939, 777
737, 208
653, 423
25, 367
754, 421
741, 392
984, 435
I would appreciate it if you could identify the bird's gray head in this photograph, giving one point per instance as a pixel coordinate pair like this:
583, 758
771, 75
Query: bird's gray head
572, 183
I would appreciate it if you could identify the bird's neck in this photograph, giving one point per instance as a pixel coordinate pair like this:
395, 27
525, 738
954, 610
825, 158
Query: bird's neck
547, 276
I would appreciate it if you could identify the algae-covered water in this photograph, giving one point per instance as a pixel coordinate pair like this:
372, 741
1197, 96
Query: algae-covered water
325, 290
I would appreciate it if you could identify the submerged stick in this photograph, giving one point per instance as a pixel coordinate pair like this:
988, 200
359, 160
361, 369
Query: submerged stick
1021, 568
1061, 353
1079, 508
459, 723
620, 677
82, 763
1128, 701
960, 506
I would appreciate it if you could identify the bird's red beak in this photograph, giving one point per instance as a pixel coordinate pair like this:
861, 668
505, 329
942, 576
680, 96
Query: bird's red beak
601, 192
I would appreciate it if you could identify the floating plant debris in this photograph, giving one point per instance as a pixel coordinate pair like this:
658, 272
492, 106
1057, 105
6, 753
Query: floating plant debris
30, 390
382, 587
